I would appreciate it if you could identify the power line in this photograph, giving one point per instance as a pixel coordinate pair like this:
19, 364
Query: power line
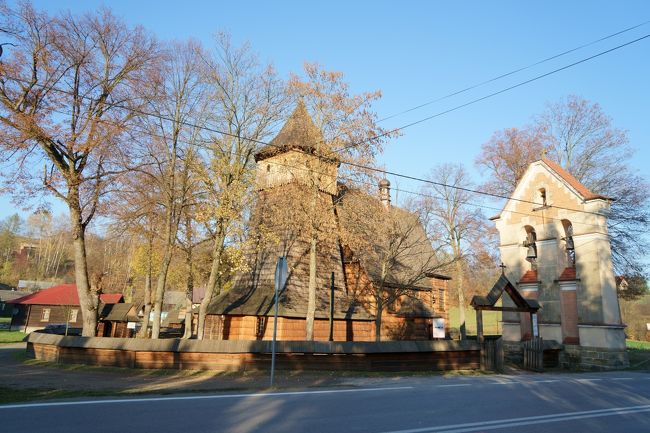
373, 185
361, 166
474, 101
523, 68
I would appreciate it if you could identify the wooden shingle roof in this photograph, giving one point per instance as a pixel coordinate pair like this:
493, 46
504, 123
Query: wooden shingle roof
252, 292
298, 133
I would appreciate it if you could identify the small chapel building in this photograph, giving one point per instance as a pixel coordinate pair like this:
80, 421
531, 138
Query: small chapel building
299, 194
555, 246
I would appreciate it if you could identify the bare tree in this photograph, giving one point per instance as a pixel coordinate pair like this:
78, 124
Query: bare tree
388, 251
171, 135
247, 101
446, 209
579, 136
61, 96
507, 156
349, 127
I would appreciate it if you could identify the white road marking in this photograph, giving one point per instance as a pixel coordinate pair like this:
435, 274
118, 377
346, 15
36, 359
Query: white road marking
516, 422
453, 385
199, 397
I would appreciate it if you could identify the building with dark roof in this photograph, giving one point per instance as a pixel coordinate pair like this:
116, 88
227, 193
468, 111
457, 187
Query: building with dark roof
299, 200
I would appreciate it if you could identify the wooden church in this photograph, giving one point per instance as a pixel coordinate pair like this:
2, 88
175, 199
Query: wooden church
555, 246
300, 208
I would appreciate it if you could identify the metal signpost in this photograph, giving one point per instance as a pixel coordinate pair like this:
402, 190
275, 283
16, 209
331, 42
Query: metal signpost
281, 273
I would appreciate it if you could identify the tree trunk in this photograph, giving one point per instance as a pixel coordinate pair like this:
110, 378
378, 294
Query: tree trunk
144, 330
378, 315
160, 292
88, 302
311, 304
189, 282
213, 280
461, 300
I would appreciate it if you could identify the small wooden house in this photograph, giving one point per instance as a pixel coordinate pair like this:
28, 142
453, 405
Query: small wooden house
297, 171
53, 306
118, 320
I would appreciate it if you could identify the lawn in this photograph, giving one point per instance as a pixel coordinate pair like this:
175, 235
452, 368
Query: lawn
641, 345
11, 336
639, 354
491, 321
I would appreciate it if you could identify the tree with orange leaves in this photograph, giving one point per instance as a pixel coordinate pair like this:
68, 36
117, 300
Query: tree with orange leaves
66, 97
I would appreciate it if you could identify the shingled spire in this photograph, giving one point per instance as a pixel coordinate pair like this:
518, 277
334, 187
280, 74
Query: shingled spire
299, 133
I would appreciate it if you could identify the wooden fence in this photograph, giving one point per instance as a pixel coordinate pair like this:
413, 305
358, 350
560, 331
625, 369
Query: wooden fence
534, 354
492, 354
229, 355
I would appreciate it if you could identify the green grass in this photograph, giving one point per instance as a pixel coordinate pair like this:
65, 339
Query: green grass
641, 345
491, 321
639, 354
11, 336
5, 320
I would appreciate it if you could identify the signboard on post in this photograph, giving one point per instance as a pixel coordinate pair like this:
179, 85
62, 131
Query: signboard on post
281, 274
438, 328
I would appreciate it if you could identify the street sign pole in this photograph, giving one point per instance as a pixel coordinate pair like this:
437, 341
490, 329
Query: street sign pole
280, 279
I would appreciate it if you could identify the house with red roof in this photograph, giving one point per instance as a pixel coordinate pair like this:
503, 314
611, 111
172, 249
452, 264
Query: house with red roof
56, 305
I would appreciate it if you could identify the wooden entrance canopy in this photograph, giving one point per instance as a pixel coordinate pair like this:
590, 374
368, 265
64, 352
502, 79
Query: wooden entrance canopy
522, 305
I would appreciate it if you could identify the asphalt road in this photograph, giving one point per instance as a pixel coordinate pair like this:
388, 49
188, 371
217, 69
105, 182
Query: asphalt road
595, 402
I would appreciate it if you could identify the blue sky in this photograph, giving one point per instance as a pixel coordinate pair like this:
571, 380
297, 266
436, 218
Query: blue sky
417, 51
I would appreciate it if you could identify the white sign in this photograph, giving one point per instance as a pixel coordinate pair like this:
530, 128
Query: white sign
535, 329
130, 325
438, 328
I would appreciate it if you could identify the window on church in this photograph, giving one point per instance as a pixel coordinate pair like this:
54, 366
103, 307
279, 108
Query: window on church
542, 196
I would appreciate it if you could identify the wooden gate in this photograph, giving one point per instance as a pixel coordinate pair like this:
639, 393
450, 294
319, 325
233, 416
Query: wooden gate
534, 354
492, 354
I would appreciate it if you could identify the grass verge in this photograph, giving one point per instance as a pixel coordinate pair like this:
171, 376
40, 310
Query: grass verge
638, 353
11, 336
12, 395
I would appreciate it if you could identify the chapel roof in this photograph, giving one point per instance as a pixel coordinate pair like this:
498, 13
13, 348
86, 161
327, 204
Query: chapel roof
298, 133
252, 292
585, 192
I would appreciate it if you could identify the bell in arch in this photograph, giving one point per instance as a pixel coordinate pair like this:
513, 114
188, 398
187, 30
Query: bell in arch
531, 253
569, 243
